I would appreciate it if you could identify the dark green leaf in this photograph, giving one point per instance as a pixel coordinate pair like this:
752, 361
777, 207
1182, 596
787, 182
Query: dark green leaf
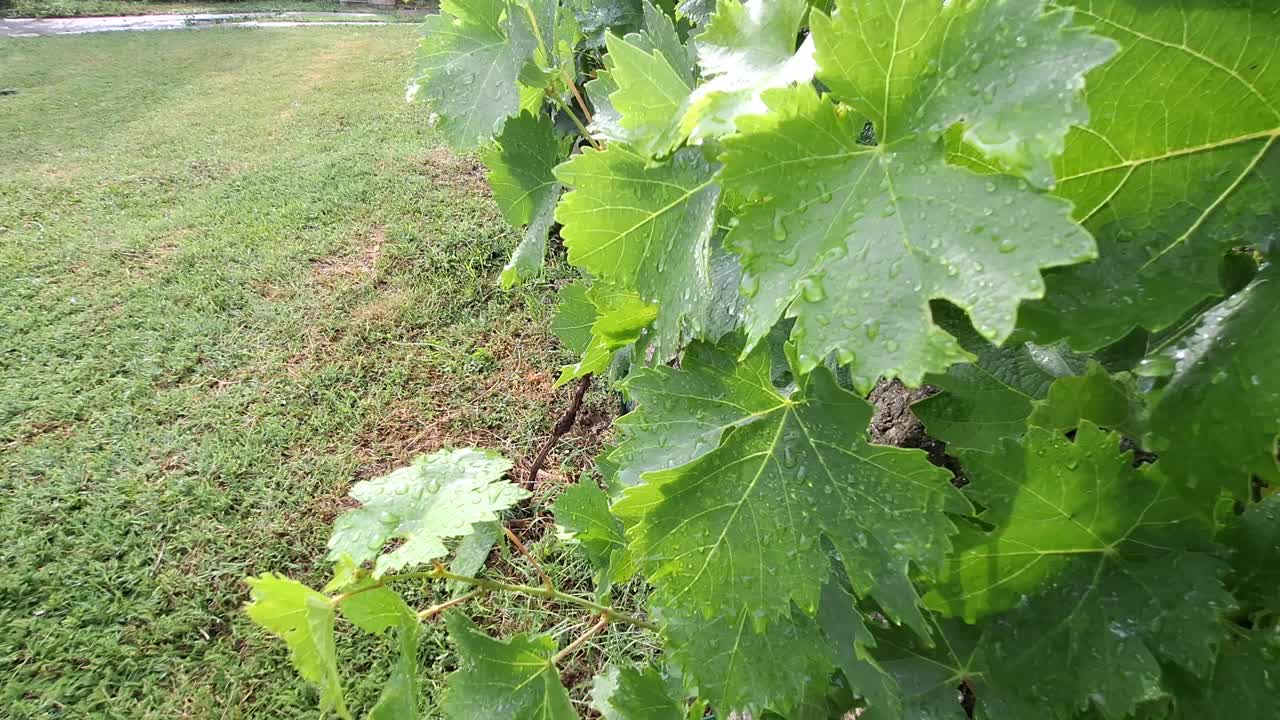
1215, 423
520, 173
1254, 539
742, 526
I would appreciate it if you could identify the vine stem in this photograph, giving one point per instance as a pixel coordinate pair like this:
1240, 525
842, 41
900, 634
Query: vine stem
573, 87
562, 426
582, 129
441, 607
580, 640
551, 593
519, 546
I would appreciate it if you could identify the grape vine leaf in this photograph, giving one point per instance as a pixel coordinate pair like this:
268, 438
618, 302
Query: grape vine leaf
583, 511
303, 618
1112, 633
659, 45
441, 495
990, 398
699, 11
924, 681
745, 49
651, 96
1244, 684
468, 62
620, 317
681, 414
742, 527
1216, 422
739, 669
630, 693
520, 174
399, 697
644, 228
1097, 396
850, 642
856, 247
1178, 165
575, 313
596, 17
472, 553
511, 678
1254, 539
1056, 504
1091, 561
376, 610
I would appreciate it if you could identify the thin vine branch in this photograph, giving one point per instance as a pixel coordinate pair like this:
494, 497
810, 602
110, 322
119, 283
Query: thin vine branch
580, 640
520, 548
441, 607
562, 426
582, 103
440, 573
582, 129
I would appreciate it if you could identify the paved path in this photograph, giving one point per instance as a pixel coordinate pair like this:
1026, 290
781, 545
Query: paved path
31, 27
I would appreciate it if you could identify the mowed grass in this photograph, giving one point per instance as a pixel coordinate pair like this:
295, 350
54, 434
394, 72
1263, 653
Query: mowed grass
237, 274
83, 8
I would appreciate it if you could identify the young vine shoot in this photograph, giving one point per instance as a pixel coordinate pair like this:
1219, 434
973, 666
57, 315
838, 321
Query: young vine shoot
1063, 214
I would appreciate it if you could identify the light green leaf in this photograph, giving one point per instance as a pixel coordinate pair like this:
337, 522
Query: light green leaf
1254, 539
1178, 165
650, 99
646, 229
303, 618
630, 693
520, 173
659, 33
583, 512
470, 556
399, 697
739, 669
575, 314
746, 48
512, 679
620, 317
990, 398
743, 526
377, 609
346, 572
439, 496
1011, 72
467, 65
859, 244
1096, 396
1215, 424
865, 235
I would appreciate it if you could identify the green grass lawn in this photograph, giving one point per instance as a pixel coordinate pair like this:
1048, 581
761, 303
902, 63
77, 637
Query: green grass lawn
75, 8
237, 274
